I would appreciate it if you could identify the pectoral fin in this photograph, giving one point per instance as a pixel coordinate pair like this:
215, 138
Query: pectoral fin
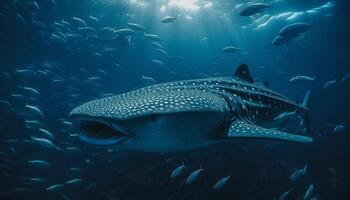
244, 130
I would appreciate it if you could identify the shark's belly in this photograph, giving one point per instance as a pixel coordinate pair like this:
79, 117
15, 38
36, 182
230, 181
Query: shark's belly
174, 132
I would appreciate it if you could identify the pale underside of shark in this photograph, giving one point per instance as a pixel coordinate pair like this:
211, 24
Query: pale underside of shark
188, 114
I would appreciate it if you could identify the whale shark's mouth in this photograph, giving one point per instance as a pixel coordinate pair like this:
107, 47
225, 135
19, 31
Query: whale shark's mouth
99, 131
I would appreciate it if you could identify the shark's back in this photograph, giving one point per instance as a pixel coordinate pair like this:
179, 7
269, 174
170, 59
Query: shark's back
239, 93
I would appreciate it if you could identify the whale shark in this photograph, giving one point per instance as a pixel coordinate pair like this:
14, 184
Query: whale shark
182, 115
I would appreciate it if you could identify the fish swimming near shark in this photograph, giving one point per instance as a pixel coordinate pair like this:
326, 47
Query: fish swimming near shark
137, 27
253, 8
187, 114
168, 19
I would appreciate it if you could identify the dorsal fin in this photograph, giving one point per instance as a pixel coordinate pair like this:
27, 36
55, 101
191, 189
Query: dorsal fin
266, 83
242, 72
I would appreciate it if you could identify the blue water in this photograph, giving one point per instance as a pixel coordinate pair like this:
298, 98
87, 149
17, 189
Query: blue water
48, 60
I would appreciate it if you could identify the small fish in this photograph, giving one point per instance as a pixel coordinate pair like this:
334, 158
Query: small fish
27, 73
67, 123
339, 128
74, 135
313, 11
39, 163
168, 19
291, 32
45, 143
294, 15
253, 9
222, 182
79, 22
47, 133
87, 30
73, 149
148, 80
162, 52
58, 39
309, 192
229, 49
302, 79
31, 91
35, 110
194, 176
75, 169
152, 37
56, 187
124, 32
284, 196
34, 5
108, 51
262, 19
4, 104
158, 62
298, 174
345, 78
75, 181
330, 83
33, 124
18, 97
92, 18
178, 171
37, 180
294, 30
157, 45
137, 27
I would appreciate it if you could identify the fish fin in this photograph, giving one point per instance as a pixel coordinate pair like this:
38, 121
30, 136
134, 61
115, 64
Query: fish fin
242, 129
243, 73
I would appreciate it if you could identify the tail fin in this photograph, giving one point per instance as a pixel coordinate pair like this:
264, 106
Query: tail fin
305, 112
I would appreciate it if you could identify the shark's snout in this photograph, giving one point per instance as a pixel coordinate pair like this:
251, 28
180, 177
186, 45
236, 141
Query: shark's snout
159, 120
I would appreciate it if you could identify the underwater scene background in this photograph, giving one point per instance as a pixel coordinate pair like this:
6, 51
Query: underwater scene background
58, 54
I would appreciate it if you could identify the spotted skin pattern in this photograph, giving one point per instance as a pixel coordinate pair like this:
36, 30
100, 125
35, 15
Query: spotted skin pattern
248, 105
198, 95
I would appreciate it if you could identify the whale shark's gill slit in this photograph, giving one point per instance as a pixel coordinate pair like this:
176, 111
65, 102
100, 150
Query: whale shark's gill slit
96, 132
